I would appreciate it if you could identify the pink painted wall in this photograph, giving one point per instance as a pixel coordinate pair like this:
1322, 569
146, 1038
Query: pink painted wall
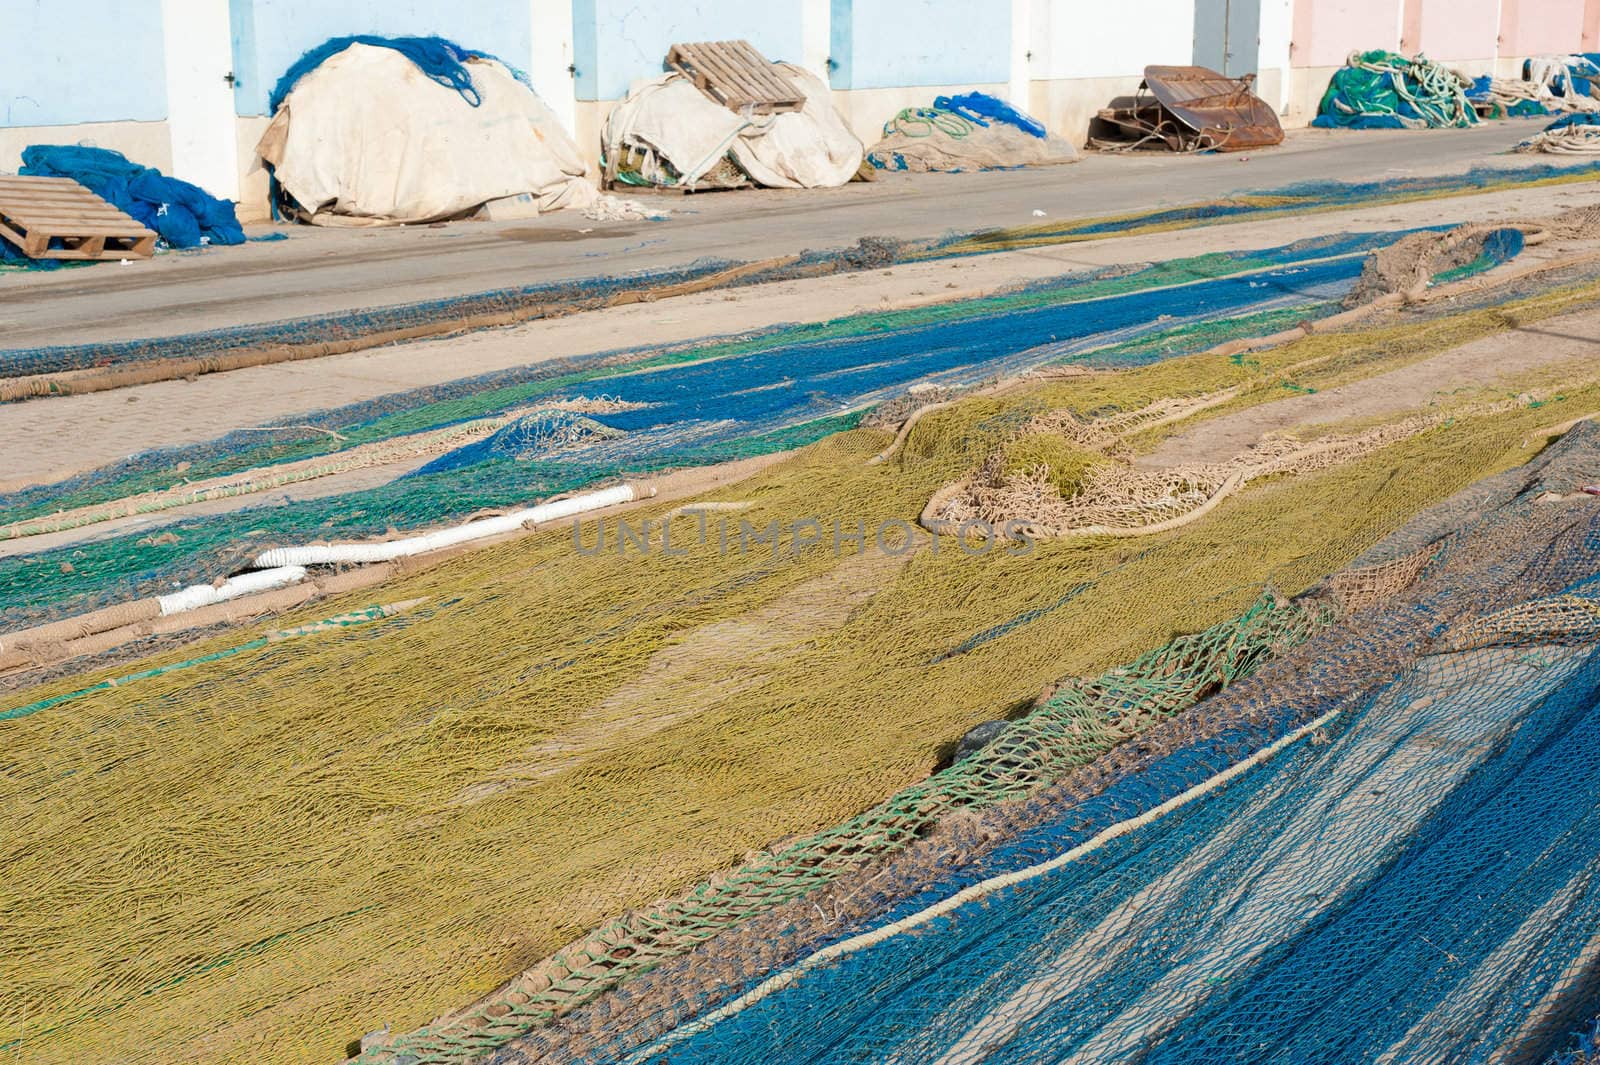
1542, 27
1453, 29
1326, 31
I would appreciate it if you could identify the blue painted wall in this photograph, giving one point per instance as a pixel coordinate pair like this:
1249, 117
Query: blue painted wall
880, 44
71, 61
616, 42
269, 35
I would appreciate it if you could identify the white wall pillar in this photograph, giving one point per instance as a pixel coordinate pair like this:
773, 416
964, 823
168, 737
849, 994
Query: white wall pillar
816, 36
550, 27
1021, 45
198, 44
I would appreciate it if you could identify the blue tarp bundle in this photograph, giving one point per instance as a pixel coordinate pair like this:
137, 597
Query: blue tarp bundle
185, 215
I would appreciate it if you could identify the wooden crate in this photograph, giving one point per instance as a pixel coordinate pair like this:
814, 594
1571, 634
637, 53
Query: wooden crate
34, 211
737, 76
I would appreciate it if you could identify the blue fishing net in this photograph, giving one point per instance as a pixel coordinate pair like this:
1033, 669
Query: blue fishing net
441, 60
672, 408
184, 214
979, 107
1576, 118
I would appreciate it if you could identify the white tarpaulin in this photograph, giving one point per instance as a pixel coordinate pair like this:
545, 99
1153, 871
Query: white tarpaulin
368, 139
678, 134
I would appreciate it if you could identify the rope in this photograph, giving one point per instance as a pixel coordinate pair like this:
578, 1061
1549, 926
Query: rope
340, 621
1567, 137
1434, 95
924, 121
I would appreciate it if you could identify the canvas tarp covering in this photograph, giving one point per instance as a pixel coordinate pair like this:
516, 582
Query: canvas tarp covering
368, 139
679, 134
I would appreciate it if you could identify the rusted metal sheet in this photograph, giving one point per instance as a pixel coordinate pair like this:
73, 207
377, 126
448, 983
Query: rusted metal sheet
1186, 109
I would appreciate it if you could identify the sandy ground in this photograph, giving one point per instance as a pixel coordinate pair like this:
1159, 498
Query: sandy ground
107, 426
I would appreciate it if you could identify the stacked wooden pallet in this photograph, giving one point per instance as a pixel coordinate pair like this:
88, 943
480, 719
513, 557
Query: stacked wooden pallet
57, 218
737, 76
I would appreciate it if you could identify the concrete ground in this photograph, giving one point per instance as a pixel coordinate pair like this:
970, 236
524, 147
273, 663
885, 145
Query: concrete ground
318, 271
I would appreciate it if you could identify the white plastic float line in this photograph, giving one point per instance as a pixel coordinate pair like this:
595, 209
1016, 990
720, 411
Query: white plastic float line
856, 944
388, 551
198, 595
272, 573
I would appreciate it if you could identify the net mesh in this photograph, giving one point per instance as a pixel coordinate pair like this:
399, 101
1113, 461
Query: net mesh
1429, 823
556, 736
266, 852
653, 409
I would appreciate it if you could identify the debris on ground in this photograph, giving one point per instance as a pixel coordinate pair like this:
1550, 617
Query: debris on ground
1187, 109
974, 131
615, 209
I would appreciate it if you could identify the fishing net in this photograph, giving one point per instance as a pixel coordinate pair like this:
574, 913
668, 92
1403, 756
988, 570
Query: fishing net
1574, 134
376, 823
1409, 800
1041, 492
645, 410
1385, 90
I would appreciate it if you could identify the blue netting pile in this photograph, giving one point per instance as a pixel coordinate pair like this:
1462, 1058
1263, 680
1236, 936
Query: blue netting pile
980, 109
1386, 90
1576, 118
184, 214
1413, 877
441, 60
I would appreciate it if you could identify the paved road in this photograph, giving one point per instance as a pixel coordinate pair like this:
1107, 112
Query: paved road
319, 270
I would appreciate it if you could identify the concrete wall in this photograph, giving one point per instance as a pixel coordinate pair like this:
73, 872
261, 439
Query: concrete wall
1454, 30
269, 35
879, 44
75, 61
1081, 61
1326, 31
1541, 27
621, 41
192, 77
886, 55
57, 87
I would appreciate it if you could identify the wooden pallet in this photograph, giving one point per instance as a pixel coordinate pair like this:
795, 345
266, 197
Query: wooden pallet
737, 76
35, 211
